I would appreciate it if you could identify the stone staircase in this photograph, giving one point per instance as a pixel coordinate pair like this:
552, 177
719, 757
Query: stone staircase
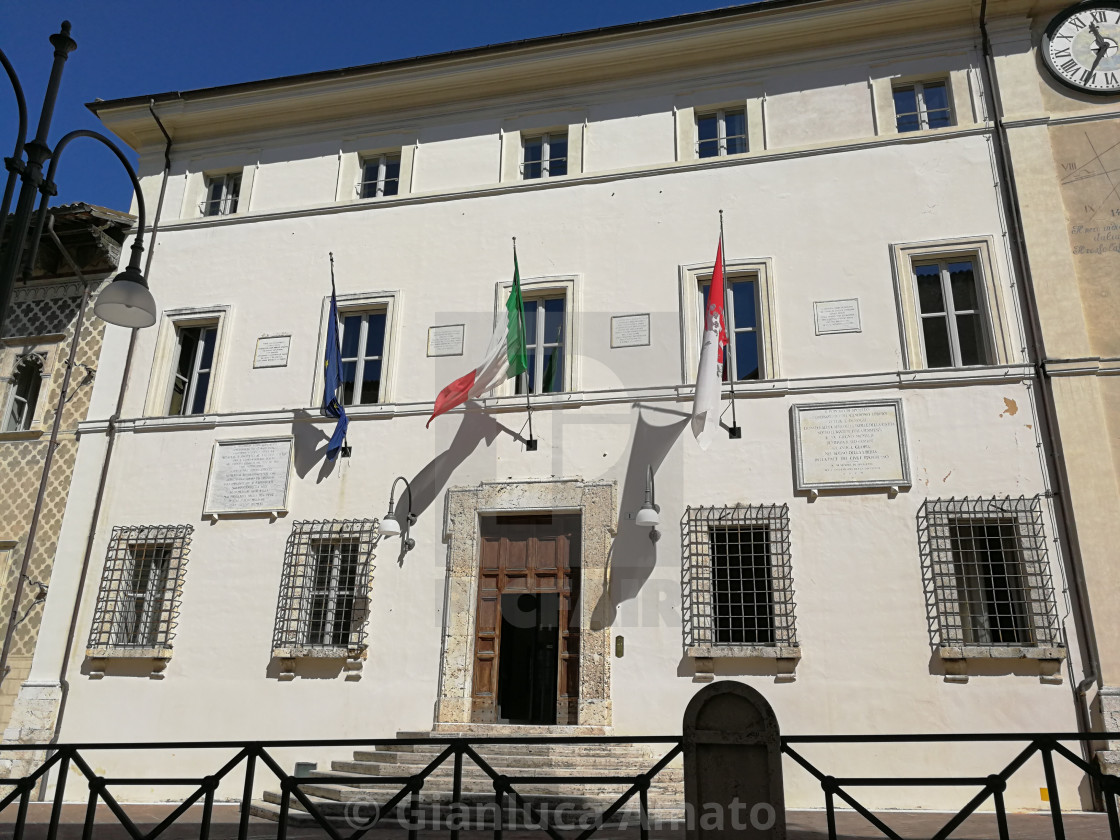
566, 806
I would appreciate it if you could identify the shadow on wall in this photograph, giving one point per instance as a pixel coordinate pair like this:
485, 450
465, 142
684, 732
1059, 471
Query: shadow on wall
310, 444
633, 554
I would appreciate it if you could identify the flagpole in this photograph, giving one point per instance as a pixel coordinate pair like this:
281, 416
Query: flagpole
531, 443
345, 451
735, 433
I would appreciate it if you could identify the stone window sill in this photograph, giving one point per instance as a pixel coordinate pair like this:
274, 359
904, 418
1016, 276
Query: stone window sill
956, 659
30, 434
352, 659
744, 651
101, 658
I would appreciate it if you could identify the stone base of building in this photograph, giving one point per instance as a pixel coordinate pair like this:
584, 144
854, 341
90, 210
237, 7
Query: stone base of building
1108, 701
32, 722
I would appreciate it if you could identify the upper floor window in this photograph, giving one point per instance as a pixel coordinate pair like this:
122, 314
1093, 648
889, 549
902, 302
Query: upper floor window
545, 343
951, 309
922, 105
362, 341
137, 602
222, 193
544, 156
986, 563
740, 585
24, 393
191, 369
743, 352
324, 592
722, 132
381, 176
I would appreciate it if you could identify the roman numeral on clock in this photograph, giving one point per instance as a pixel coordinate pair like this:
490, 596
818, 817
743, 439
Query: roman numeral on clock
1069, 66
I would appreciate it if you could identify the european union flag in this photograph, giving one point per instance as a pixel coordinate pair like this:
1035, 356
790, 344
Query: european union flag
332, 382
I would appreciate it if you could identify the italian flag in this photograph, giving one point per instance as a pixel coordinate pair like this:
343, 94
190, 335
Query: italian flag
506, 357
709, 376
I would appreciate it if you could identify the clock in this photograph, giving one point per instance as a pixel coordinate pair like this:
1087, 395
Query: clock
1081, 47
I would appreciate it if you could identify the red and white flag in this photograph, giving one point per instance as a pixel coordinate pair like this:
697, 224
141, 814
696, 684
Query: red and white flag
709, 375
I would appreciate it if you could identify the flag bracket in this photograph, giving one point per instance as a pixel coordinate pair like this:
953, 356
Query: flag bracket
531, 445
345, 451
734, 432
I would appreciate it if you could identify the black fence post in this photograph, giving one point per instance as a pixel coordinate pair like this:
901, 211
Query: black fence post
998, 786
247, 797
829, 785
91, 810
59, 793
457, 790
1052, 791
21, 815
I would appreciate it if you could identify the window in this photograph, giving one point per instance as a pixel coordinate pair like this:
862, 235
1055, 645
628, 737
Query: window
27, 378
137, 604
324, 591
191, 369
986, 563
544, 156
951, 313
738, 585
544, 341
363, 350
381, 176
742, 354
222, 192
921, 106
721, 133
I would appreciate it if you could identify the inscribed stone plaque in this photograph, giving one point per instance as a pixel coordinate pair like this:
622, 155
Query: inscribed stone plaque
249, 476
630, 330
272, 351
853, 444
446, 341
837, 316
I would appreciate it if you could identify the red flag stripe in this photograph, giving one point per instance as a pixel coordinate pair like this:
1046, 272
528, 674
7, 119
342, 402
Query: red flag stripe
454, 394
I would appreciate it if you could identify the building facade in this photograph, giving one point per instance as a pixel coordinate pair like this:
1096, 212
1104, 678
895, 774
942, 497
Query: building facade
48, 324
885, 547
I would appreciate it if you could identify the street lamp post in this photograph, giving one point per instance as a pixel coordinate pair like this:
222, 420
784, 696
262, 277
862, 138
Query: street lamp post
126, 301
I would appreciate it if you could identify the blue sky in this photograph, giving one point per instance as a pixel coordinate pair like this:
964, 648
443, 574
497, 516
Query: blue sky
130, 48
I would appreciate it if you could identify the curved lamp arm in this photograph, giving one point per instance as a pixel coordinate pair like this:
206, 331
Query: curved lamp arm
407, 542
15, 162
48, 189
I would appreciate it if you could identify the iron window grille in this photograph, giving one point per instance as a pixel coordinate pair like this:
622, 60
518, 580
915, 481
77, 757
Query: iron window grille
381, 176
922, 106
138, 601
721, 133
986, 567
324, 589
222, 194
27, 379
738, 581
544, 156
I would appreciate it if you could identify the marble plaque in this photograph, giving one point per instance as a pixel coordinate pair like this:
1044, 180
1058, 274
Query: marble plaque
249, 476
837, 316
272, 351
446, 341
630, 330
850, 444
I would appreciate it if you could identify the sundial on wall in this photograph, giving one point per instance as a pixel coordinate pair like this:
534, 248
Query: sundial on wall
1088, 160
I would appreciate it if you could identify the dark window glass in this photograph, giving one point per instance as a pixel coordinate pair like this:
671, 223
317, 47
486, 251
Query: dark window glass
392, 176
351, 335
929, 289
371, 381
349, 372
971, 337
936, 98
962, 279
906, 109
707, 132
735, 129
533, 151
557, 156
935, 330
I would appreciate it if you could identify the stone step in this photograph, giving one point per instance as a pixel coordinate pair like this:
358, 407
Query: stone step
484, 791
621, 750
506, 730
408, 763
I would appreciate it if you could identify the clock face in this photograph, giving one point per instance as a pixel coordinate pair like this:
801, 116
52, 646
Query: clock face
1081, 47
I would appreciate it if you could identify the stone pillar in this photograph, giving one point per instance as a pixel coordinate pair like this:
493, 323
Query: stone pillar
732, 765
1109, 699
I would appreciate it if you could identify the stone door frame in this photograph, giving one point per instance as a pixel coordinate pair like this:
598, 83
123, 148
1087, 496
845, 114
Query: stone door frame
596, 503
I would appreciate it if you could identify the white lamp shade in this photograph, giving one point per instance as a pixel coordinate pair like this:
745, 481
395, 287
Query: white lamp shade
126, 303
390, 527
648, 517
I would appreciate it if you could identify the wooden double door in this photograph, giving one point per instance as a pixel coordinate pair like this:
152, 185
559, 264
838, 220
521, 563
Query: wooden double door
526, 653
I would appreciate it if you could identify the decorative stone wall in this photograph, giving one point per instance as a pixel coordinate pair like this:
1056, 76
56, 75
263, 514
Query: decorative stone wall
596, 502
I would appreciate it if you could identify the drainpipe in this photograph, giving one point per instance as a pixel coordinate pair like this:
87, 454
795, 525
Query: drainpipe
1056, 454
111, 433
48, 461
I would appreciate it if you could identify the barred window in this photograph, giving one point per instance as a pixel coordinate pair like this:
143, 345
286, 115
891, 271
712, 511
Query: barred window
138, 602
324, 591
985, 562
738, 583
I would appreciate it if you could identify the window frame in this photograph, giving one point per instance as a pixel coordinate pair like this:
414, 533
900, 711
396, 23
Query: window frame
114, 596
360, 360
32, 410
165, 359
382, 160
721, 131
691, 316
230, 183
1001, 335
295, 604
938, 520
922, 110
542, 343
196, 368
388, 299
733, 330
546, 158
698, 606
535, 288
950, 313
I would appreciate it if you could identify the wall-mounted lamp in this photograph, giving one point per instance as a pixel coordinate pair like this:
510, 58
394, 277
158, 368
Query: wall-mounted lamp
649, 515
390, 526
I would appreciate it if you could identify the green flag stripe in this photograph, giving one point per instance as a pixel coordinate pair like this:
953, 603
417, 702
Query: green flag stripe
516, 351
